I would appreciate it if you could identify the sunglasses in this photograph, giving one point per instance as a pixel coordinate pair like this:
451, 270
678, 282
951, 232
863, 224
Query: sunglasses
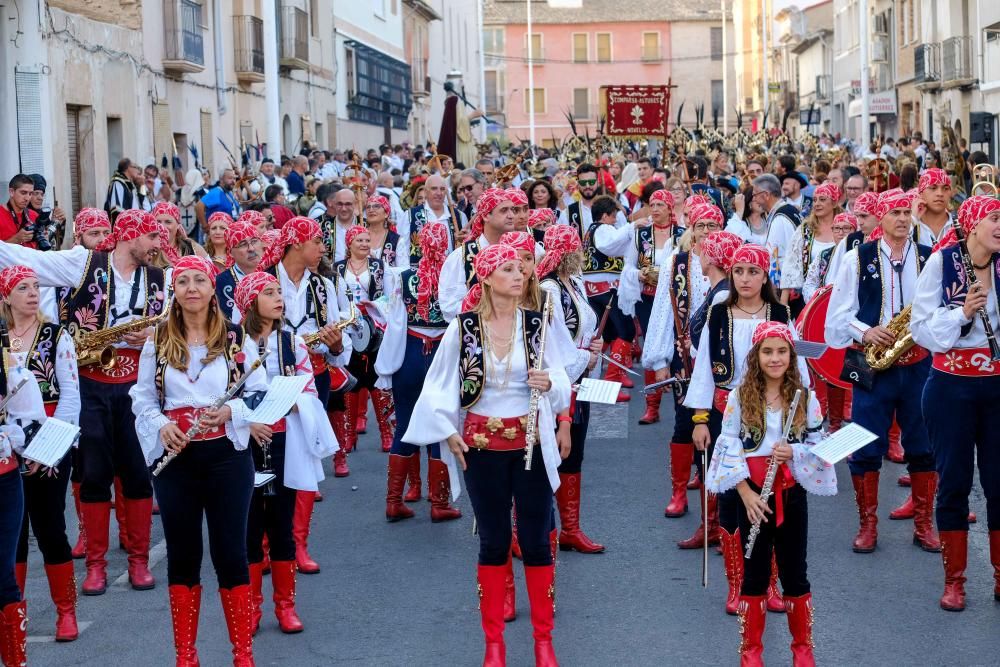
466, 188
587, 182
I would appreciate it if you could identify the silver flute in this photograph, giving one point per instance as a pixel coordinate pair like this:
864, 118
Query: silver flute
772, 472
196, 425
531, 428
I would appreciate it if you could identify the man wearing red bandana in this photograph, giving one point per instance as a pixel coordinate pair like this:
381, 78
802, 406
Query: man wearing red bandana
876, 282
112, 285
957, 321
933, 218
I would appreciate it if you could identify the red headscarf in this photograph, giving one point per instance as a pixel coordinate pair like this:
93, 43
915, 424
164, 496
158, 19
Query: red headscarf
166, 208
381, 201
771, 329
753, 254
433, 252
847, 217
559, 241
522, 241
719, 248
487, 201
255, 218
237, 233
700, 212
297, 230
192, 263
352, 233
541, 216
487, 261
828, 190
130, 225
866, 204
662, 195
893, 199
90, 218
249, 288
11, 276
933, 176
219, 215
972, 211
517, 197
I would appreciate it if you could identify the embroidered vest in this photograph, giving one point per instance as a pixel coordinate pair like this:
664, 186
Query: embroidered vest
469, 252
42, 360
286, 354
680, 285
225, 290
571, 314
471, 361
871, 288
389, 248
408, 285
376, 276
954, 282
596, 261
235, 335
418, 218
824, 263
316, 301
88, 307
752, 437
574, 213
128, 194
720, 339
645, 246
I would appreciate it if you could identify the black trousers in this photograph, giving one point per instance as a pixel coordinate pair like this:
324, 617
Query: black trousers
108, 446
787, 542
12, 501
213, 480
619, 324
493, 480
573, 463
271, 515
362, 366
45, 507
643, 309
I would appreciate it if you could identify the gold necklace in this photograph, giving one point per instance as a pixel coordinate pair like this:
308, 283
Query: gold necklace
17, 340
490, 351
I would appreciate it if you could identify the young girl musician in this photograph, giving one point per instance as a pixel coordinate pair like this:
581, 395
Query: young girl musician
752, 439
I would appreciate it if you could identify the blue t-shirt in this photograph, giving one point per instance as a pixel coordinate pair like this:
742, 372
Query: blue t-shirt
217, 199
296, 184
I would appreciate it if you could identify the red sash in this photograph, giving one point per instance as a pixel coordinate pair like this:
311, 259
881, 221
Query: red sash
125, 371
782, 480
494, 433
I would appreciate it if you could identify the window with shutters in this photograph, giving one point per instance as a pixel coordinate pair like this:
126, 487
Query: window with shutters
716, 39
494, 91
331, 124
207, 141
651, 46
539, 98
29, 121
604, 47
73, 156
716, 95
534, 50
581, 103
116, 147
580, 54
162, 145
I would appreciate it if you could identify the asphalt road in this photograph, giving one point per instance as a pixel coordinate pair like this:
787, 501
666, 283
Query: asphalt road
405, 593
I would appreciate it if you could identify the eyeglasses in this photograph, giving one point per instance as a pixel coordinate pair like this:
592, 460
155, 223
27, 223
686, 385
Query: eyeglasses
679, 188
466, 188
843, 229
709, 226
757, 193
587, 182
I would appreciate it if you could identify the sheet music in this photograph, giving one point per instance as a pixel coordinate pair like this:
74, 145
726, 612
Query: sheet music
808, 349
598, 391
262, 478
52, 441
844, 442
280, 398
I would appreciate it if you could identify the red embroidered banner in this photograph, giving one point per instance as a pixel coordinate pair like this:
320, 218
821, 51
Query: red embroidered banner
637, 111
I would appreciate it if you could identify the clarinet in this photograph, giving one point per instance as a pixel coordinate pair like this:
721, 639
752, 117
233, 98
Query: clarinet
196, 425
970, 272
531, 429
772, 473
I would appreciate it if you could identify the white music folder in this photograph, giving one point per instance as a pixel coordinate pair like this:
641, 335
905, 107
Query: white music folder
280, 397
51, 442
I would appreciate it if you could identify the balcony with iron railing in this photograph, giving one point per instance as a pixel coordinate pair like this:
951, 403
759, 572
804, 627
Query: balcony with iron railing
248, 45
927, 66
294, 38
183, 37
956, 62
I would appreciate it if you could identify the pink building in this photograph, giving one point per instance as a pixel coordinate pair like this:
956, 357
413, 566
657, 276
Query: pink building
575, 51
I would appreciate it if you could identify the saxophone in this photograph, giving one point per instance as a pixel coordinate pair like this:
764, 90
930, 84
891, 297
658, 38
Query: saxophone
95, 347
881, 357
313, 338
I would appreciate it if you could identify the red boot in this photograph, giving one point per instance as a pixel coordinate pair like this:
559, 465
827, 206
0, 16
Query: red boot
185, 604
698, 539
541, 594
491, 593
896, 453
62, 588
613, 373
361, 416
509, 602
237, 607
995, 561
954, 555
835, 399
681, 458
753, 618
775, 603
515, 545
652, 414
139, 523
904, 480
732, 557
256, 595
304, 501
904, 511
121, 516
339, 422
923, 491
439, 489
385, 412
265, 547
800, 622
571, 537
866, 497
80, 550
340, 468
399, 467
283, 582
97, 518
14, 634
413, 477
351, 405
694, 482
